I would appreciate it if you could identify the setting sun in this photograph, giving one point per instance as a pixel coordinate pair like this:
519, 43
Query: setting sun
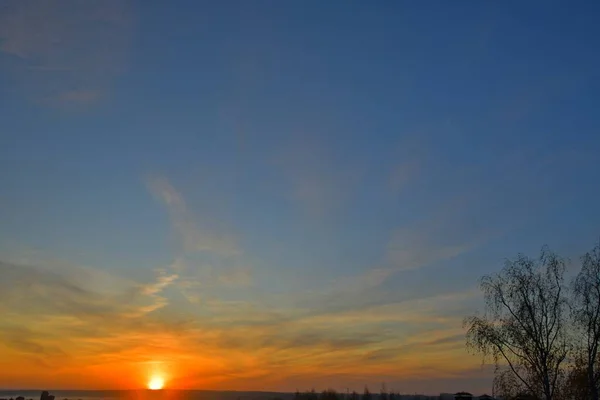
156, 383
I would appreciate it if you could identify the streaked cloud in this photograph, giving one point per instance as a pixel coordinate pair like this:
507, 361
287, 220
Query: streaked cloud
65, 52
315, 181
36, 290
402, 173
321, 221
411, 248
192, 237
467, 210
411, 156
196, 314
199, 312
92, 331
207, 261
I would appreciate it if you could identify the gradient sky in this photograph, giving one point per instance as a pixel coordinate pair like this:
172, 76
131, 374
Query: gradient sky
282, 194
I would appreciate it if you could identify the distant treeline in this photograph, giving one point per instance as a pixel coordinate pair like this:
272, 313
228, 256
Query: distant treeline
331, 394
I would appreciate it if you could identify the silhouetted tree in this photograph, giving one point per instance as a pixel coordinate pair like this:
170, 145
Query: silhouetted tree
329, 394
507, 385
586, 315
366, 394
311, 395
576, 382
524, 323
383, 394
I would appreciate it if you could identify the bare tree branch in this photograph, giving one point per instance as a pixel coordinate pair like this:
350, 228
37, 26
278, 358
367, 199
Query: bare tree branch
524, 323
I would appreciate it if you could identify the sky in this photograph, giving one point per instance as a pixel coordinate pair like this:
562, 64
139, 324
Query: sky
281, 195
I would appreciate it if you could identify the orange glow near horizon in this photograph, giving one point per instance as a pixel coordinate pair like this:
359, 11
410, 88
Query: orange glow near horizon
156, 383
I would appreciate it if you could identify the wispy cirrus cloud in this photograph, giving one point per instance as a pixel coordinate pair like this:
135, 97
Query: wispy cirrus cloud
78, 314
465, 209
56, 292
411, 156
403, 173
93, 331
315, 182
65, 52
419, 246
192, 236
104, 324
207, 260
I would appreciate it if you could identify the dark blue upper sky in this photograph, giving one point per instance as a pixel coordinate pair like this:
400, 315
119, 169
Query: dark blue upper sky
300, 143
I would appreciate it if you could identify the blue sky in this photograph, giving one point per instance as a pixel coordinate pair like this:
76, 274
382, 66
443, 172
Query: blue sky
355, 154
